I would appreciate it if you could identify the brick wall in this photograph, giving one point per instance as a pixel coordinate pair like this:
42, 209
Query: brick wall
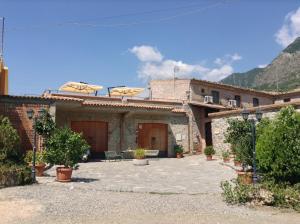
15, 108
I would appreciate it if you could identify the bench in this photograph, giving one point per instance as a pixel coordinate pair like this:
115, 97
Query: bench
112, 155
151, 153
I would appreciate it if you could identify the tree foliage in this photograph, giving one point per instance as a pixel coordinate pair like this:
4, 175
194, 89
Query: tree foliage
45, 125
240, 137
65, 147
9, 140
278, 147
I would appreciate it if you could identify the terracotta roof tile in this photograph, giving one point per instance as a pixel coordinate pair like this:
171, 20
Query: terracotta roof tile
135, 105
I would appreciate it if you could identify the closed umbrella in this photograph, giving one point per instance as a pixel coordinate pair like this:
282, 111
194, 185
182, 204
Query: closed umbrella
125, 91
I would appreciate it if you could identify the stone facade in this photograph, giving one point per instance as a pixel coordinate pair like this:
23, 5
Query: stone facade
220, 125
177, 124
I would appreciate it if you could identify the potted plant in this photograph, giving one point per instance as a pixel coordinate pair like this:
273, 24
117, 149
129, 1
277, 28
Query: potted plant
209, 151
65, 148
226, 156
39, 161
139, 157
178, 149
237, 161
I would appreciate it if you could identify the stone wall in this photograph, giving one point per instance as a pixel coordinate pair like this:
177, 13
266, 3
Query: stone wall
177, 125
220, 125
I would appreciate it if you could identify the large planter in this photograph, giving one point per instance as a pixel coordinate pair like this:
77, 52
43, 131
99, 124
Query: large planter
178, 155
63, 174
237, 163
226, 160
245, 177
209, 157
141, 162
40, 168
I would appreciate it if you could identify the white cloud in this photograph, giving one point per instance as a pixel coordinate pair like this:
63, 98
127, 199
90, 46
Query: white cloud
146, 53
217, 74
164, 69
236, 57
290, 30
228, 59
262, 66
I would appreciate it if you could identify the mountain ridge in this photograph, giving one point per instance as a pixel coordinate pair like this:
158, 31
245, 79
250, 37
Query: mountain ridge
282, 74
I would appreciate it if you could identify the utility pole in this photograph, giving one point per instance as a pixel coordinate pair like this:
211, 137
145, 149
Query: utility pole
2, 38
176, 69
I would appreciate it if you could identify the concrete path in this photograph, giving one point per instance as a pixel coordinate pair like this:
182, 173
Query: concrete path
167, 191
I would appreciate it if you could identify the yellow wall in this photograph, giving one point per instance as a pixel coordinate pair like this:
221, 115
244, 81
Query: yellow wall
3, 79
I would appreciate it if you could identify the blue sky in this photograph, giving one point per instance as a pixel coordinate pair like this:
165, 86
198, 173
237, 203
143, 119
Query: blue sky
129, 42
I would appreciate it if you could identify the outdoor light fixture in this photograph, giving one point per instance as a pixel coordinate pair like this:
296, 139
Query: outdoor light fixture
30, 115
258, 114
245, 114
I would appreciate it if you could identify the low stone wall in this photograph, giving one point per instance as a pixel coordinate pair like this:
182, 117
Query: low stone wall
14, 176
219, 125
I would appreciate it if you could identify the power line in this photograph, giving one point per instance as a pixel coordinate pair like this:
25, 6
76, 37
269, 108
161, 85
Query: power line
85, 24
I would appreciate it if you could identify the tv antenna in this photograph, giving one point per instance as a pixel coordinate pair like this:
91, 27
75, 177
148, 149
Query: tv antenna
2, 37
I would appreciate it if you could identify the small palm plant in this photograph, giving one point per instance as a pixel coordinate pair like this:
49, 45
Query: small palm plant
139, 153
209, 151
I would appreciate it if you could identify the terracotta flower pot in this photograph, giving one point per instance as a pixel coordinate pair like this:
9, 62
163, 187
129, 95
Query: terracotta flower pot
245, 177
63, 174
40, 168
209, 157
226, 160
237, 163
179, 155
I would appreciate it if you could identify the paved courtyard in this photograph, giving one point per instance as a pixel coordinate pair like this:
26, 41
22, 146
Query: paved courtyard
166, 191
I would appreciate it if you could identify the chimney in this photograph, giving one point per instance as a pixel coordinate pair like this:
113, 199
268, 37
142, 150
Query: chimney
3, 79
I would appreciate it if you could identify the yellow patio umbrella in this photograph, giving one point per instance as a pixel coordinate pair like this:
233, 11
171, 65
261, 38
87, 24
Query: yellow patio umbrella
125, 91
79, 87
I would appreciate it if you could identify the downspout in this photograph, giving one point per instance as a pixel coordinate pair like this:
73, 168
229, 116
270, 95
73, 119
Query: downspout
121, 131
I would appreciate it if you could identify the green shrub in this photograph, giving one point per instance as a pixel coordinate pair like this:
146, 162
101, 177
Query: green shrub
13, 174
139, 153
178, 149
65, 147
9, 140
236, 193
45, 125
265, 193
209, 151
239, 135
278, 147
225, 154
39, 159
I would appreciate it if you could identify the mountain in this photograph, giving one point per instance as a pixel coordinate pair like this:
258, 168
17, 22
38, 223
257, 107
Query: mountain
283, 71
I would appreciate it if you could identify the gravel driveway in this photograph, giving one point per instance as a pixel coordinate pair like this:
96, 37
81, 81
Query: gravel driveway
166, 191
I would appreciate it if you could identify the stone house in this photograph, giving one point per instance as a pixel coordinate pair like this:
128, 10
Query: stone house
220, 125
201, 98
106, 123
180, 111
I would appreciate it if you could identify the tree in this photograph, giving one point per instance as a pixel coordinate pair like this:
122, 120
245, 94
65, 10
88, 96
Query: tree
9, 140
278, 147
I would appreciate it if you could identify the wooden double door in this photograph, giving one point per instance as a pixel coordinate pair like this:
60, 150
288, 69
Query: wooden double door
153, 136
96, 135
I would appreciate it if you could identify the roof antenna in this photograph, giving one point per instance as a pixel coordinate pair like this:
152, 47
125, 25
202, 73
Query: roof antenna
2, 38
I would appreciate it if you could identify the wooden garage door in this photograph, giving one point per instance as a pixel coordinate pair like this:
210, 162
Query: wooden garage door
153, 136
95, 133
